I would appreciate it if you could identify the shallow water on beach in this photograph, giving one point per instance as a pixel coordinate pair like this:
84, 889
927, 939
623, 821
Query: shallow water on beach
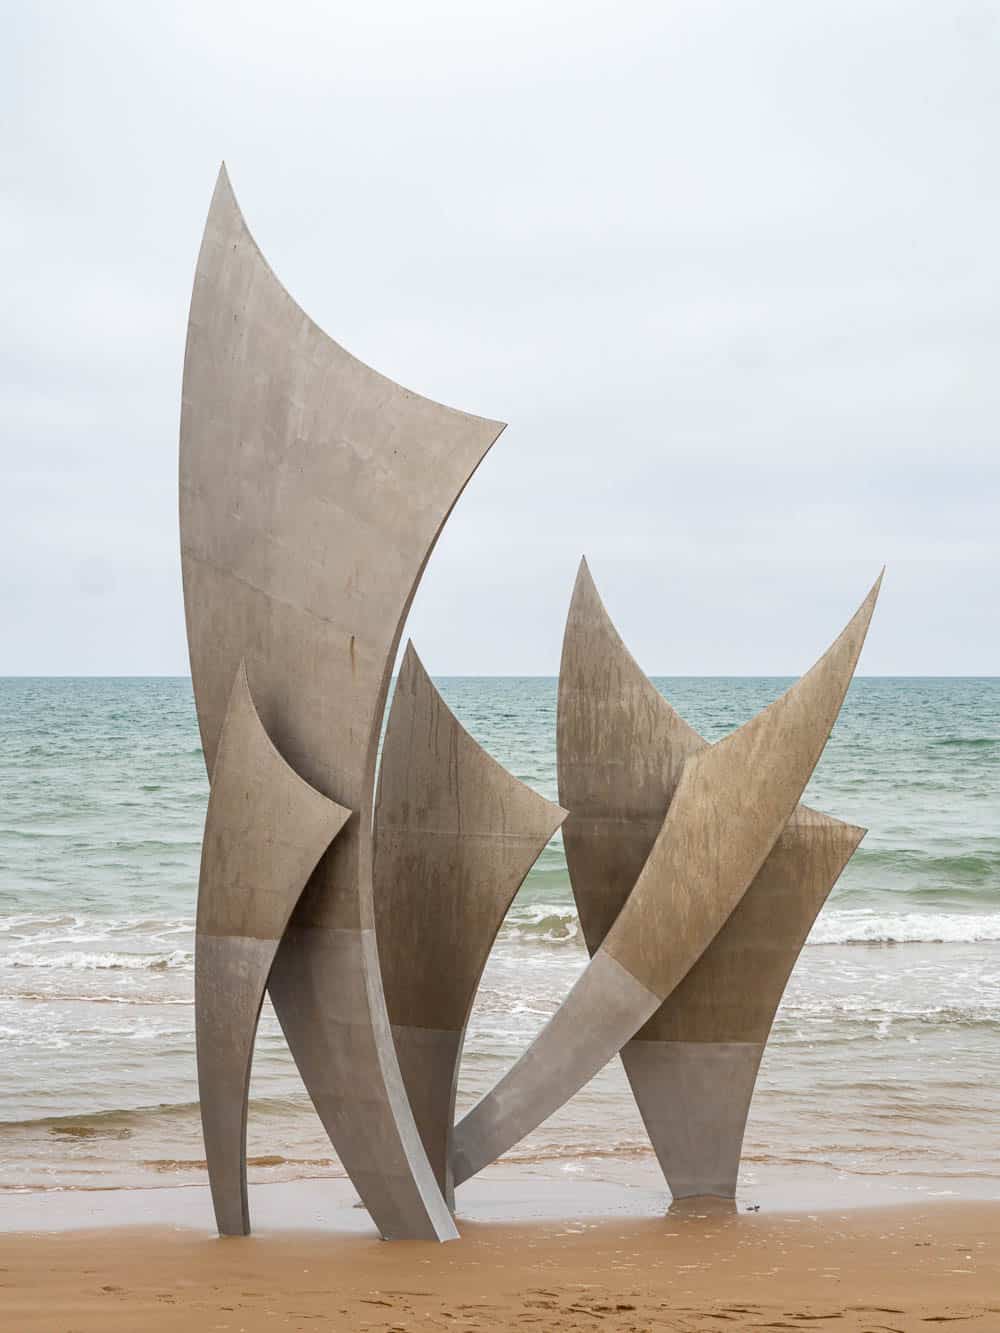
884, 1064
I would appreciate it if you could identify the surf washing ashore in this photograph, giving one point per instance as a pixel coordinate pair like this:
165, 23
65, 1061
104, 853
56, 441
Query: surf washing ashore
882, 1079
870, 1191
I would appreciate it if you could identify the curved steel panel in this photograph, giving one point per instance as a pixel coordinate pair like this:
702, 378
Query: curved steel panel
265, 830
694, 1064
730, 805
455, 835
312, 492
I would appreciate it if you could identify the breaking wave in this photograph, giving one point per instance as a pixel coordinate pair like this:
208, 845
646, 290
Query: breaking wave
550, 923
77, 960
544, 923
863, 926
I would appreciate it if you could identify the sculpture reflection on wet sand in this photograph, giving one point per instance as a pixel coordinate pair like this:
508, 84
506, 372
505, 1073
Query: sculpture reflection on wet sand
312, 493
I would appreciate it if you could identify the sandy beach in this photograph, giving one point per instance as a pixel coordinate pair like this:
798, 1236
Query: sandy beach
869, 1192
97, 1264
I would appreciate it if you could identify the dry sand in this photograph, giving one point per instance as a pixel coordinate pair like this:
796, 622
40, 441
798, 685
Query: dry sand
916, 1266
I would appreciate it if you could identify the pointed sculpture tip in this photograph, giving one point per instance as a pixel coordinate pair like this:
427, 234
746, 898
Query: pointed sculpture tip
586, 603
411, 664
584, 580
224, 190
868, 605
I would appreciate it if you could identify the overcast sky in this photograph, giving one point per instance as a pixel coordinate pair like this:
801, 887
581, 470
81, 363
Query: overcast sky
729, 270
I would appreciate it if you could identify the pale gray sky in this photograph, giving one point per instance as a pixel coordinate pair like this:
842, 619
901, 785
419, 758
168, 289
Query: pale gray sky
729, 270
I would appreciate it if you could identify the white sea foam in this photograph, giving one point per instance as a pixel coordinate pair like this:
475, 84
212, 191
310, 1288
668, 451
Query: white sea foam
884, 1054
865, 926
49, 928
77, 960
557, 923
548, 923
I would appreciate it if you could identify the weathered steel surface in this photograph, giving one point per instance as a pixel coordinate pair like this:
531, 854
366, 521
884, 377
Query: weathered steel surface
312, 492
600, 1013
705, 1044
264, 833
730, 804
621, 750
455, 835
694, 1098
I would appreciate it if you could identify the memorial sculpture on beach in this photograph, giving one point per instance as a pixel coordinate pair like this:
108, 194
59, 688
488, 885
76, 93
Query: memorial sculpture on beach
693, 1066
312, 492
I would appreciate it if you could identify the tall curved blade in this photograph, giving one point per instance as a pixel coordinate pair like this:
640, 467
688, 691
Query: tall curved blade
264, 833
621, 749
312, 492
731, 803
455, 835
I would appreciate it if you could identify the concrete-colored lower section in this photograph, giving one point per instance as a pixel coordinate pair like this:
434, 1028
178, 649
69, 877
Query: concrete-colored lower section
694, 1098
429, 1062
340, 1037
265, 830
230, 976
604, 1009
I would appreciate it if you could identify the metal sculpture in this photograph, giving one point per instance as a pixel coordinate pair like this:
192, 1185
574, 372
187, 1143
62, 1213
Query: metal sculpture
264, 833
455, 835
731, 803
693, 1066
312, 492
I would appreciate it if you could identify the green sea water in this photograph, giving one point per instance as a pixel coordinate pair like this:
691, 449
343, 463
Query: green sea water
884, 1065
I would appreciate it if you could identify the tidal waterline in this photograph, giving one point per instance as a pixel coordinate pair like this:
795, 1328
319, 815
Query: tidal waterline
884, 1065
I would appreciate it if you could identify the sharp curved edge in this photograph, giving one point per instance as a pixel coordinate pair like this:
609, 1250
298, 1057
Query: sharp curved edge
737, 795
694, 1064
264, 833
621, 750
312, 492
455, 836
694, 1083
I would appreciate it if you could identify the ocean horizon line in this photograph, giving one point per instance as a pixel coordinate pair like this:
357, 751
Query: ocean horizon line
525, 675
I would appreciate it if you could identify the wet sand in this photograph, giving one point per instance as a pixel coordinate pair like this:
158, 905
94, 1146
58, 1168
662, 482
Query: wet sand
78, 1264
